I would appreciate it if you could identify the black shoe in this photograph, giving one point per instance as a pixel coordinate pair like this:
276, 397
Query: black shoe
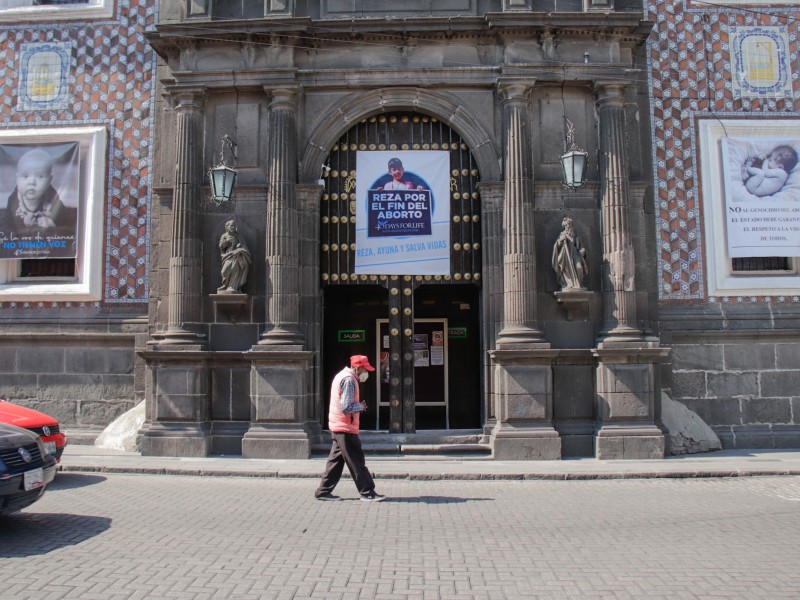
373, 497
327, 496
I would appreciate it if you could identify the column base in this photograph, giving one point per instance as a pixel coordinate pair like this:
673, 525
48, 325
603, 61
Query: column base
520, 337
175, 439
633, 442
274, 441
526, 443
279, 336
622, 335
178, 339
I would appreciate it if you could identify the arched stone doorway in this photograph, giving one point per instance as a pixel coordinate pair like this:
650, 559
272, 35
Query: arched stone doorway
422, 330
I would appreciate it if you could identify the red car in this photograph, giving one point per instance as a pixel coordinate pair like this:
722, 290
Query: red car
44, 426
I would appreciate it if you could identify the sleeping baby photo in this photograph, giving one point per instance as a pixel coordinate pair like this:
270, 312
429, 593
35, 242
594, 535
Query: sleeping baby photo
761, 168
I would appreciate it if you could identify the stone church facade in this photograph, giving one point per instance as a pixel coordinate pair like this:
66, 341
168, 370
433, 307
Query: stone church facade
539, 372
511, 348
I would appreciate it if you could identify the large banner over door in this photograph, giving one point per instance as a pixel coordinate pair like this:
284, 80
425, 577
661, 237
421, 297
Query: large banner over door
403, 213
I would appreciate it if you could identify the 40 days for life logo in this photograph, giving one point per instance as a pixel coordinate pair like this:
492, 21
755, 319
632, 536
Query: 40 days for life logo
401, 212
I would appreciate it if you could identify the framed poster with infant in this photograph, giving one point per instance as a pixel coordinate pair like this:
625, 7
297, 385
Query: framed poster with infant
39, 200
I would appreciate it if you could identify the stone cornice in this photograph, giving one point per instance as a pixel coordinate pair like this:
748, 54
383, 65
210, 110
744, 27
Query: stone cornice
473, 77
309, 33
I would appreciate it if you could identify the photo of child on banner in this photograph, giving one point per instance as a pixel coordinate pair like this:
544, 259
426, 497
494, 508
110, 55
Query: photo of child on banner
401, 229
39, 200
762, 195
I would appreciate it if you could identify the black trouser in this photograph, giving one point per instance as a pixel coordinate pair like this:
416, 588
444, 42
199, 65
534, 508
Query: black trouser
346, 448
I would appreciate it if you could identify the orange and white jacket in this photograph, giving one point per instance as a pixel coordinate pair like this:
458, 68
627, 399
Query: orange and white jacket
343, 414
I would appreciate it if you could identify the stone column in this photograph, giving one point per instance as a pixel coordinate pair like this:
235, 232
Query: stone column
281, 375
185, 275
627, 393
521, 370
177, 389
283, 270
619, 285
519, 254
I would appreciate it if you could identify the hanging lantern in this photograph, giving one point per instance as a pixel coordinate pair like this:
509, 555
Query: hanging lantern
222, 175
574, 161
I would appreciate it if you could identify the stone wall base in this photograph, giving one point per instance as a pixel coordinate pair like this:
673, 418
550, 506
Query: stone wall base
226, 438
769, 436
526, 443
175, 439
275, 442
615, 442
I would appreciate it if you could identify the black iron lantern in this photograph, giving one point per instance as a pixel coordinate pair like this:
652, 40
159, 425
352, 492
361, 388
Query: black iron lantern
574, 161
223, 175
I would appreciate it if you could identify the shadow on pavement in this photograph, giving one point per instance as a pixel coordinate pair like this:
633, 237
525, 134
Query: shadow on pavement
70, 481
437, 499
30, 534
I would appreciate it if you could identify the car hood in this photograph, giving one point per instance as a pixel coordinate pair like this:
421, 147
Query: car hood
20, 416
11, 437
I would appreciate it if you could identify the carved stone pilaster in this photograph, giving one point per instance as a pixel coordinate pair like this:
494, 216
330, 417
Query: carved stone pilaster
519, 254
185, 275
282, 223
618, 267
492, 273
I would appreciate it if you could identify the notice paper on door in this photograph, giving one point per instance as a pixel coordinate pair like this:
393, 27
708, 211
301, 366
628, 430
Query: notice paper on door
422, 358
437, 355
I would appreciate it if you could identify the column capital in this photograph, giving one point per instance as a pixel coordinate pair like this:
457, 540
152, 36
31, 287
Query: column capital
283, 96
187, 98
515, 90
610, 91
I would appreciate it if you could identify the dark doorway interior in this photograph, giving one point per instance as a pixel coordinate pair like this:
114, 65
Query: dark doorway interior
350, 316
459, 304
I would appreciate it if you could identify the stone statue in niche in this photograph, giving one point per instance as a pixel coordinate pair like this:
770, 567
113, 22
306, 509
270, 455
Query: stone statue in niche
236, 260
569, 258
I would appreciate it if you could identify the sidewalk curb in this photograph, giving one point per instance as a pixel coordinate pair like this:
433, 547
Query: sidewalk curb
720, 473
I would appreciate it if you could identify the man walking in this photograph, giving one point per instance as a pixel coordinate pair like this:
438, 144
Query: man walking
343, 423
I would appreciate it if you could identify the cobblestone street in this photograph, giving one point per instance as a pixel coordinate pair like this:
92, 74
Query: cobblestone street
109, 536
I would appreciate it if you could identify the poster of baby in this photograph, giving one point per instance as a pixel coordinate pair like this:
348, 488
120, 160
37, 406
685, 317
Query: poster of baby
762, 195
39, 189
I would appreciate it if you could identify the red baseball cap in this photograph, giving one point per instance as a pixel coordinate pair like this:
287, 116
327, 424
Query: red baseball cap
359, 360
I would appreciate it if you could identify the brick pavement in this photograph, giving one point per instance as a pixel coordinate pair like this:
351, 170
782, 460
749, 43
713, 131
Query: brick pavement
119, 536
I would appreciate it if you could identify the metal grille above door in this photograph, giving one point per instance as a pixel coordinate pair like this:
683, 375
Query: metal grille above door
398, 131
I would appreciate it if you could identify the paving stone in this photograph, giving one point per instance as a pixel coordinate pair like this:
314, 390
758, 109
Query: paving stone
127, 536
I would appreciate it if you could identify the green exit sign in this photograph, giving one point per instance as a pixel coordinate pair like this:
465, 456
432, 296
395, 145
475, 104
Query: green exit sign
352, 335
458, 333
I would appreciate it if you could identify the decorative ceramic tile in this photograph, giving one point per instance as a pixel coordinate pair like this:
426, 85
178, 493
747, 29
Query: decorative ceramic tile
109, 77
43, 70
760, 62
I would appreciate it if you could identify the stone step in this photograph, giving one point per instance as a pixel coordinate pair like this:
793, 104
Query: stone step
450, 443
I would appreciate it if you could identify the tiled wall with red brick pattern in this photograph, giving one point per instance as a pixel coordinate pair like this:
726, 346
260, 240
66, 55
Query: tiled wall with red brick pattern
111, 81
691, 77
